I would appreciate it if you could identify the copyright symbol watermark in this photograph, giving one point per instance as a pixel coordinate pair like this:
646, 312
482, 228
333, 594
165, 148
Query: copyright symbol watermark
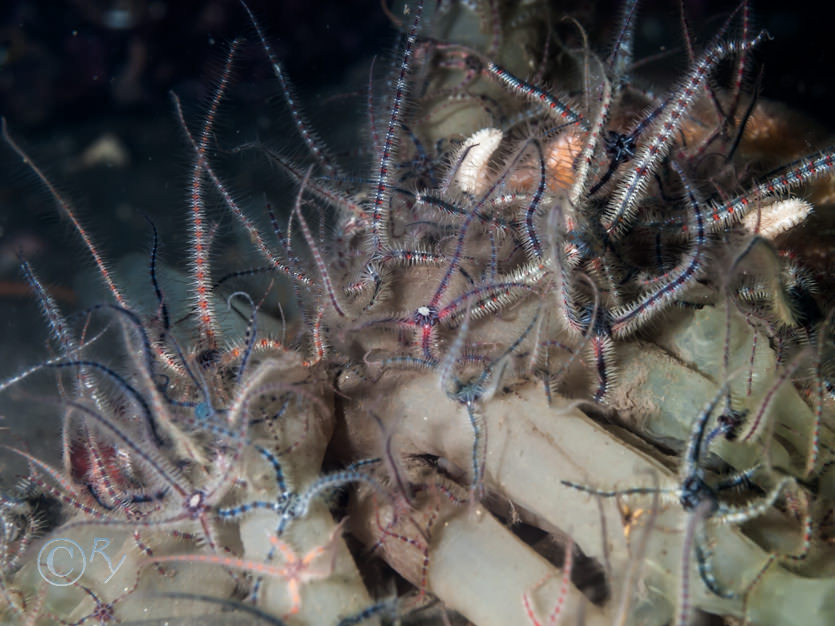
61, 562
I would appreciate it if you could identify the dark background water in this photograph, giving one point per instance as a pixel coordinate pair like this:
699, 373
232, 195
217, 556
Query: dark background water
62, 62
